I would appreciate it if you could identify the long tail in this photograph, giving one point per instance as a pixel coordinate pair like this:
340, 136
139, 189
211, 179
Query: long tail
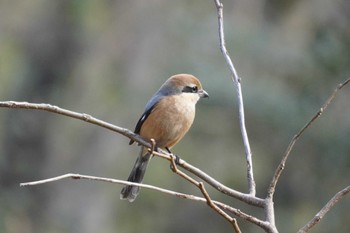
130, 192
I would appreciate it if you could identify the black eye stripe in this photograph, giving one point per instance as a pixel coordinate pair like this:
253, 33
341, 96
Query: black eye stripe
190, 89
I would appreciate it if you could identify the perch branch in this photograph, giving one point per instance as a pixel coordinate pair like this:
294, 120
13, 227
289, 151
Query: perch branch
85, 117
237, 81
337, 197
280, 168
76, 115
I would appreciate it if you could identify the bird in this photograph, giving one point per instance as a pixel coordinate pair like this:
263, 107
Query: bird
167, 117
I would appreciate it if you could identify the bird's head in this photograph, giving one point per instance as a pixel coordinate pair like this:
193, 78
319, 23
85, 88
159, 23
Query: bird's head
183, 84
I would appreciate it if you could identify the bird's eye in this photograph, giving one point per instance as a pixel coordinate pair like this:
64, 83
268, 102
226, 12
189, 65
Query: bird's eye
194, 89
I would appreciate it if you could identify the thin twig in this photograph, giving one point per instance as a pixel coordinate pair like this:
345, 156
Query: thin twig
237, 81
201, 187
280, 168
212, 205
180, 173
153, 146
337, 197
109, 180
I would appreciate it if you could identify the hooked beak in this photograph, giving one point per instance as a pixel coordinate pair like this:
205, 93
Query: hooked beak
203, 94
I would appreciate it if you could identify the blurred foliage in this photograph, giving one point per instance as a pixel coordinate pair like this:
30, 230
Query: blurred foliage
106, 58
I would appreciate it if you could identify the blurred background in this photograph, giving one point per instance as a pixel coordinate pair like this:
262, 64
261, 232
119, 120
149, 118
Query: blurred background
106, 58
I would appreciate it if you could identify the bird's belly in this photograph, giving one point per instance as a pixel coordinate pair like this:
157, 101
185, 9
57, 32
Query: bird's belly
168, 127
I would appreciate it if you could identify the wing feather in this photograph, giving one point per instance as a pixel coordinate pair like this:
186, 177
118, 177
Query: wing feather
142, 120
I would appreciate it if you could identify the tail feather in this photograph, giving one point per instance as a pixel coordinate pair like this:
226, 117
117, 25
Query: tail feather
130, 192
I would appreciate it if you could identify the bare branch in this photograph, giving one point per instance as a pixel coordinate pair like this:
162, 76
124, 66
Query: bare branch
115, 181
212, 205
280, 168
180, 173
237, 81
217, 206
76, 115
201, 187
247, 198
251, 200
131, 135
337, 197
232, 210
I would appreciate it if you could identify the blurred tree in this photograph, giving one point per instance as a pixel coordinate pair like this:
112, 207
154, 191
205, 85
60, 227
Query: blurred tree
48, 47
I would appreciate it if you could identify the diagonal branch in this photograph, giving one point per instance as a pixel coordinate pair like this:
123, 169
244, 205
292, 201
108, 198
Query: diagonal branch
337, 197
237, 82
280, 168
247, 198
214, 206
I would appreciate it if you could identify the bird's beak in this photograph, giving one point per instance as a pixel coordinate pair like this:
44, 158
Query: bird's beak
203, 94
